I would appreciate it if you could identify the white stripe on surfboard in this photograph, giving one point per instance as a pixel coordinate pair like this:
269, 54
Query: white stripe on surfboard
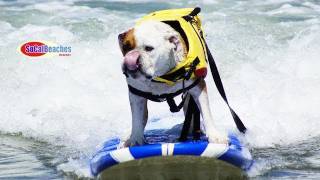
170, 149
122, 155
167, 149
214, 150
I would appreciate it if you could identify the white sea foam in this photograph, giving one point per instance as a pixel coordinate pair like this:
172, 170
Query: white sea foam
289, 9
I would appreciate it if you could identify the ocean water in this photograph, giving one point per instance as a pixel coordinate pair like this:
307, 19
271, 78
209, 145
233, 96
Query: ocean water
55, 111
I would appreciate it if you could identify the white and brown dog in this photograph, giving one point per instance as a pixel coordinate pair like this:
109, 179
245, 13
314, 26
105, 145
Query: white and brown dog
150, 50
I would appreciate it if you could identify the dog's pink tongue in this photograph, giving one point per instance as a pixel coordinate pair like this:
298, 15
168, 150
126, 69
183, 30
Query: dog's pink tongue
131, 60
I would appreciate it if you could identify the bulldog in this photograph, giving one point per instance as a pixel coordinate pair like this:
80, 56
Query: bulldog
150, 50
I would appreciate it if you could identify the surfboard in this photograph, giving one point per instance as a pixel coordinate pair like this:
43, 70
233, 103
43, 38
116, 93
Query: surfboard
159, 149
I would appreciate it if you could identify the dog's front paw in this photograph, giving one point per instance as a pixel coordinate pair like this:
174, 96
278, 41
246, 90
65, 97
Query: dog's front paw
218, 138
134, 141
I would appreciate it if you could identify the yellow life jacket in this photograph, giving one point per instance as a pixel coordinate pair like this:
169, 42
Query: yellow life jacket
191, 32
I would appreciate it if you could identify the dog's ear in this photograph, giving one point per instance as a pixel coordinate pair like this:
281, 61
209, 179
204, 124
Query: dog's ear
126, 41
175, 41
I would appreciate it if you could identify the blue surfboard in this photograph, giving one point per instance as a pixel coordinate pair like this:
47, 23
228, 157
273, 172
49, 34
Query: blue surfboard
110, 154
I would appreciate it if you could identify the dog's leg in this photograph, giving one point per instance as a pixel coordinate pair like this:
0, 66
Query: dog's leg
139, 119
199, 93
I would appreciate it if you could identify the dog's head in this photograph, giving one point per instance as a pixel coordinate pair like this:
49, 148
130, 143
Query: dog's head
150, 49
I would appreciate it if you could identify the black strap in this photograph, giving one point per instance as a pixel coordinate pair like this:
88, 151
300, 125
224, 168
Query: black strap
218, 82
192, 112
215, 74
173, 106
162, 97
196, 122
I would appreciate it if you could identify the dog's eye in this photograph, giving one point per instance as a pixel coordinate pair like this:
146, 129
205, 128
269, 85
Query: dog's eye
148, 48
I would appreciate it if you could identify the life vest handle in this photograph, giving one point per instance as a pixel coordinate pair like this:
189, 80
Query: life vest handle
192, 14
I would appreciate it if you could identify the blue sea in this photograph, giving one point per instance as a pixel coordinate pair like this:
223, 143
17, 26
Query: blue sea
56, 110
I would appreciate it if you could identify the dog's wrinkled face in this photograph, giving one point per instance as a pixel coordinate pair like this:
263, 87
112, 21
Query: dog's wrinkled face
151, 49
